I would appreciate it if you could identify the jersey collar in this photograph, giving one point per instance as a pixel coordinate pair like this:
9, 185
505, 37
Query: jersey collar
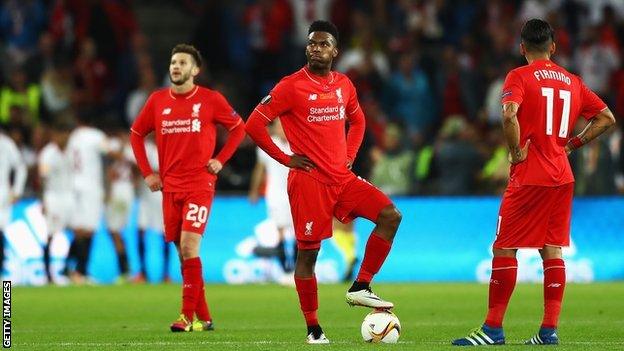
186, 95
323, 81
542, 62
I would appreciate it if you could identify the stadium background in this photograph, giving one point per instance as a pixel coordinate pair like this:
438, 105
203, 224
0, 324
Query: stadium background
428, 74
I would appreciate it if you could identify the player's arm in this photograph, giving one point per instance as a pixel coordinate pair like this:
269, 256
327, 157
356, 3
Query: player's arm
228, 118
596, 126
271, 107
511, 130
357, 126
142, 126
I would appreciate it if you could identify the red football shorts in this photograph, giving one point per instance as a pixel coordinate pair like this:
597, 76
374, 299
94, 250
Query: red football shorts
185, 211
314, 204
534, 216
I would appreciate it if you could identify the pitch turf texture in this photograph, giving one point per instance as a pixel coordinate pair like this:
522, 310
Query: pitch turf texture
267, 317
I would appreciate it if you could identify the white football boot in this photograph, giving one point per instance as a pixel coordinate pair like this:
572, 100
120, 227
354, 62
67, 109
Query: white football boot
367, 298
322, 339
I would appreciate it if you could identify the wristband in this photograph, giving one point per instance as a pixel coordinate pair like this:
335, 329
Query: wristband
576, 142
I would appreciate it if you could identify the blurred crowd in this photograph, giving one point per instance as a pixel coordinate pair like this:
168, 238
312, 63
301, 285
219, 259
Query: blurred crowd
428, 73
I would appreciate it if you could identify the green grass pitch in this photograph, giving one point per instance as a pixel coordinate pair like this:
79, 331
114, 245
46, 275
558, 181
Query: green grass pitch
267, 317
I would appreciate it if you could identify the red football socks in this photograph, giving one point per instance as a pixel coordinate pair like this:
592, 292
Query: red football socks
554, 285
191, 285
202, 312
502, 283
308, 298
377, 250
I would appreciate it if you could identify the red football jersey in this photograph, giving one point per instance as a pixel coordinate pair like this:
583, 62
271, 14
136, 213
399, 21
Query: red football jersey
313, 111
551, 99
185, 126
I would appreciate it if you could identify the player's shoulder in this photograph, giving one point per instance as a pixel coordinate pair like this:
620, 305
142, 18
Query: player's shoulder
209, 93
291, 79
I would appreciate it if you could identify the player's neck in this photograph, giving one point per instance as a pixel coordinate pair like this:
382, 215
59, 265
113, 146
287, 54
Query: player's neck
182, 89
321, 72
530, 57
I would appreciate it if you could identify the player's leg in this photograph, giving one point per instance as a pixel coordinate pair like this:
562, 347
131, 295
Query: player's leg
522, 223
558, 236
361, 199
141, 277
310, 204
196, 211
166, 278
122, 258
502, 284
307, 290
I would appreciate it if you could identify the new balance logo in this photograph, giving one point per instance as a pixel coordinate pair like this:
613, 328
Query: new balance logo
166, 111
312, 97
554, 285
309, 228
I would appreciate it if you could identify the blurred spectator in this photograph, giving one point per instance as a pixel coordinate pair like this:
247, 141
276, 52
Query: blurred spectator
57, 87
457, 157
408, 96
393, 165
21, 22
268, 23
596, 61
495, 172
458, 88
92, 74
21, 94
137, 97
364, 56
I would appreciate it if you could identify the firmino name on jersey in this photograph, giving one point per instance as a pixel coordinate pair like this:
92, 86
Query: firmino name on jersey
181, 126
325, 114
550, 74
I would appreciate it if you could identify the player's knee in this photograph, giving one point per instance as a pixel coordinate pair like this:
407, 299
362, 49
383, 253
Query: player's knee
390, 218
188, 250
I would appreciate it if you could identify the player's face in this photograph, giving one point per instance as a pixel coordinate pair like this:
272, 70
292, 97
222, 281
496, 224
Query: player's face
182, 68
321, 50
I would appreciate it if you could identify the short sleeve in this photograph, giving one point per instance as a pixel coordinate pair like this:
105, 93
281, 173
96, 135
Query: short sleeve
591, 103
224, 114
277, 102
144, 123
513, 90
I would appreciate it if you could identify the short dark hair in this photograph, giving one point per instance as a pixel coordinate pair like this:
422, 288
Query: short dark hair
537, 35
324, 26
188, 49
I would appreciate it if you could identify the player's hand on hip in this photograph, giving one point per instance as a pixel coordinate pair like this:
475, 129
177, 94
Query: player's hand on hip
214, 166
301, 162
349, 163
153, 182
519, 155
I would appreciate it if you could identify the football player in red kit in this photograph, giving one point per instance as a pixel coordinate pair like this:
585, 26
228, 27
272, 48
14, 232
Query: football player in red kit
541, 104
184, 119
314, 105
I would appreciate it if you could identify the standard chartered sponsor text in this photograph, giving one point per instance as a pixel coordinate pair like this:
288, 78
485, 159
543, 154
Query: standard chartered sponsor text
324, 114
176, 126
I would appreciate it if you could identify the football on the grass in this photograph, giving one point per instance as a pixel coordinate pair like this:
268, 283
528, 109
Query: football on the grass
381, 326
